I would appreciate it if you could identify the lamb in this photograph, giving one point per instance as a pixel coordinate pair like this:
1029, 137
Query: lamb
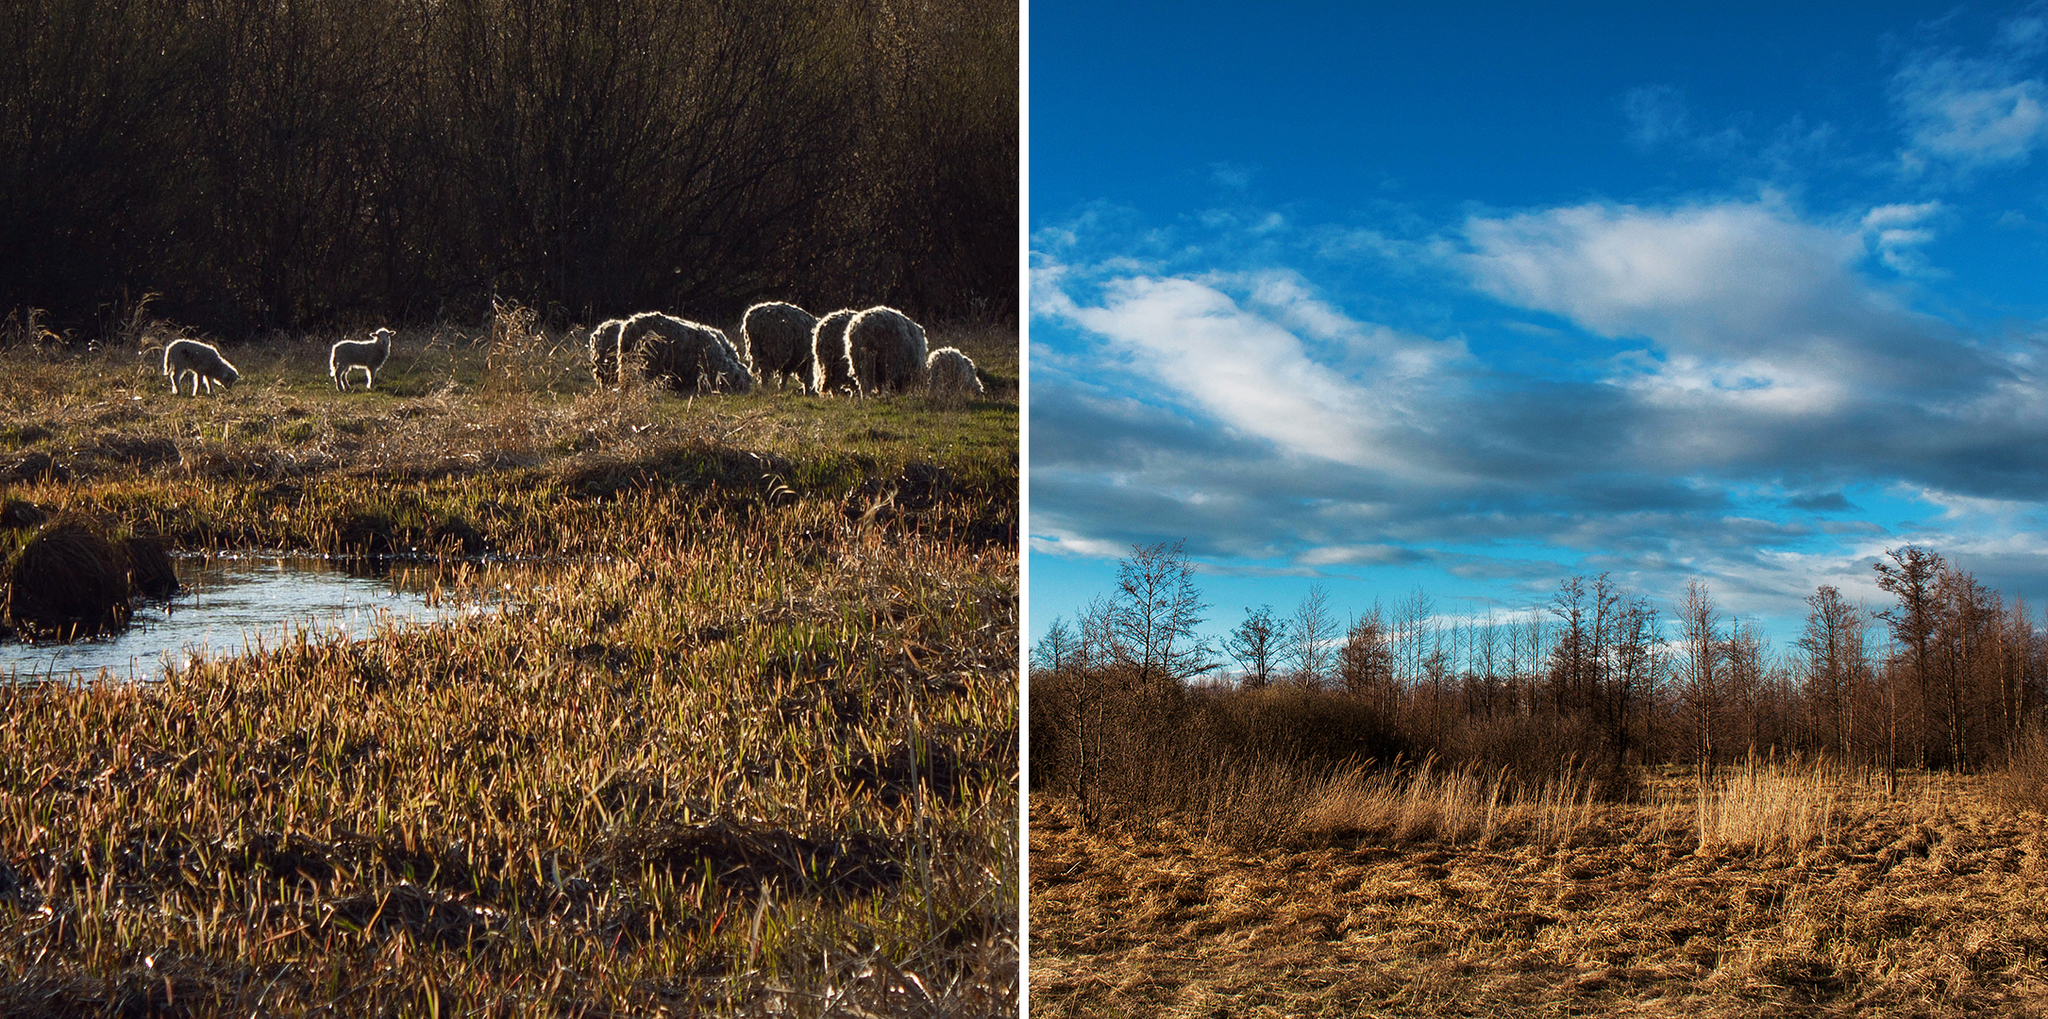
888, 351
831, 360
683, 355
951, 372
776, 338
369, 355
604, 351
199, 360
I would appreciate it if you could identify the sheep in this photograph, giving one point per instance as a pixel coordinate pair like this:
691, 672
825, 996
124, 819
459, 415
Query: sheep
369, 355
776, 338
683, 355
831, 361
888, 351
202, 361
604, 351
949, 371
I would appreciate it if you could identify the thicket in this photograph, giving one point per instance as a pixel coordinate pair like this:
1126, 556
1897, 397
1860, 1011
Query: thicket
1132, 714
262, 165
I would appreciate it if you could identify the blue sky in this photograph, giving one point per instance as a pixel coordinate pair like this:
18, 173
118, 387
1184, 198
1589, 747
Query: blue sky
1475, 297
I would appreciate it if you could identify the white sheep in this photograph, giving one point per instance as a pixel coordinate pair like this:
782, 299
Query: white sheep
776, 338
949, 371
831, 359
199, 360
888, 351
604, 351
684, 355
369, 355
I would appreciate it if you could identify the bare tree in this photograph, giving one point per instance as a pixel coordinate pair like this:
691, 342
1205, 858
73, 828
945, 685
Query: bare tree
1309, 638
1833, 646
1058, 651
1745, 656
1256, 645
1700, 651
1148, 626
1412, 624
1365, 664
1487, 662
1638, 661
1911, 576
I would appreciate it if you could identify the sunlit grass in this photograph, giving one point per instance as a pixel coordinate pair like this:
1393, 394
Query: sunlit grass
741, 739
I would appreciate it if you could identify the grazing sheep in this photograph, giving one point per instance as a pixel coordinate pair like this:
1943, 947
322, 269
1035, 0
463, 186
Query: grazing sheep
369, 355
888, 351
199, 360
831, 360
950, 371
776, 338
604, 351
683, 355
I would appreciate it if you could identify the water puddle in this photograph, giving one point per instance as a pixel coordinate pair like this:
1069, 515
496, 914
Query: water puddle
228, 604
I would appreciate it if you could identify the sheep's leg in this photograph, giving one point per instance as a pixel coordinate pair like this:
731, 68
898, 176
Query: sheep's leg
369, 378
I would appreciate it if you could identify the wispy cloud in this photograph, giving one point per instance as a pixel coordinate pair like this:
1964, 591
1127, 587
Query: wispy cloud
1964, 113
1261, 354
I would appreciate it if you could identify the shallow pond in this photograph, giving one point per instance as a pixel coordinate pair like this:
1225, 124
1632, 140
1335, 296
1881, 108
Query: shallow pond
227, 604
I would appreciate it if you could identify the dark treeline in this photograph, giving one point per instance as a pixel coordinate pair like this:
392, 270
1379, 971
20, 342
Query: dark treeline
1126, 704
277, 164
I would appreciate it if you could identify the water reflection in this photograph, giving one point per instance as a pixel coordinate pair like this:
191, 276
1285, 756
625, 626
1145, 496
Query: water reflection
228, 604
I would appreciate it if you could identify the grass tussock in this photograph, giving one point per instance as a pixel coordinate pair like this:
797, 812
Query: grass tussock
1428, 802
729, 745
1768, 804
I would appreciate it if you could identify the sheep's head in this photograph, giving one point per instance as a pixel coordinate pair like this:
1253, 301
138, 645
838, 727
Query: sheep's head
381, 337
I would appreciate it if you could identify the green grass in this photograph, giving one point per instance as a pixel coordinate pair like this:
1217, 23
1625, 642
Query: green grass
743, 738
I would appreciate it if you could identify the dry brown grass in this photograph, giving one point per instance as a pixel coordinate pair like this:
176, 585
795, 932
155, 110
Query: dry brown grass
1452, 806
1927, 904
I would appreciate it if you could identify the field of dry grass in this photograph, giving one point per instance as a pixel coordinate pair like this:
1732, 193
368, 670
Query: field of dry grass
741, 740
1924, 904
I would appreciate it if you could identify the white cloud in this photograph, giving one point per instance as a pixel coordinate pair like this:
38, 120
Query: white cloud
1969, 113
1063, 542
1896, 231
1724, 280
1246, 362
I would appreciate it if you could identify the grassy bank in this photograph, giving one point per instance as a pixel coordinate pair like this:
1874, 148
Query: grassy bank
742, 739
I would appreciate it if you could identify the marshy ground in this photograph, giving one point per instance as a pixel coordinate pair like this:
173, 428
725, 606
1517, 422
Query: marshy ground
743, 738
1926, 903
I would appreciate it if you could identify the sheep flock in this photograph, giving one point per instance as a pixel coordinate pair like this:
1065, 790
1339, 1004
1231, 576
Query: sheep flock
852, 352
864, 352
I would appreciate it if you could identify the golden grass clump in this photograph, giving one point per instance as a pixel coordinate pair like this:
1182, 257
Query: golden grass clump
1764, 805
1427, 802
